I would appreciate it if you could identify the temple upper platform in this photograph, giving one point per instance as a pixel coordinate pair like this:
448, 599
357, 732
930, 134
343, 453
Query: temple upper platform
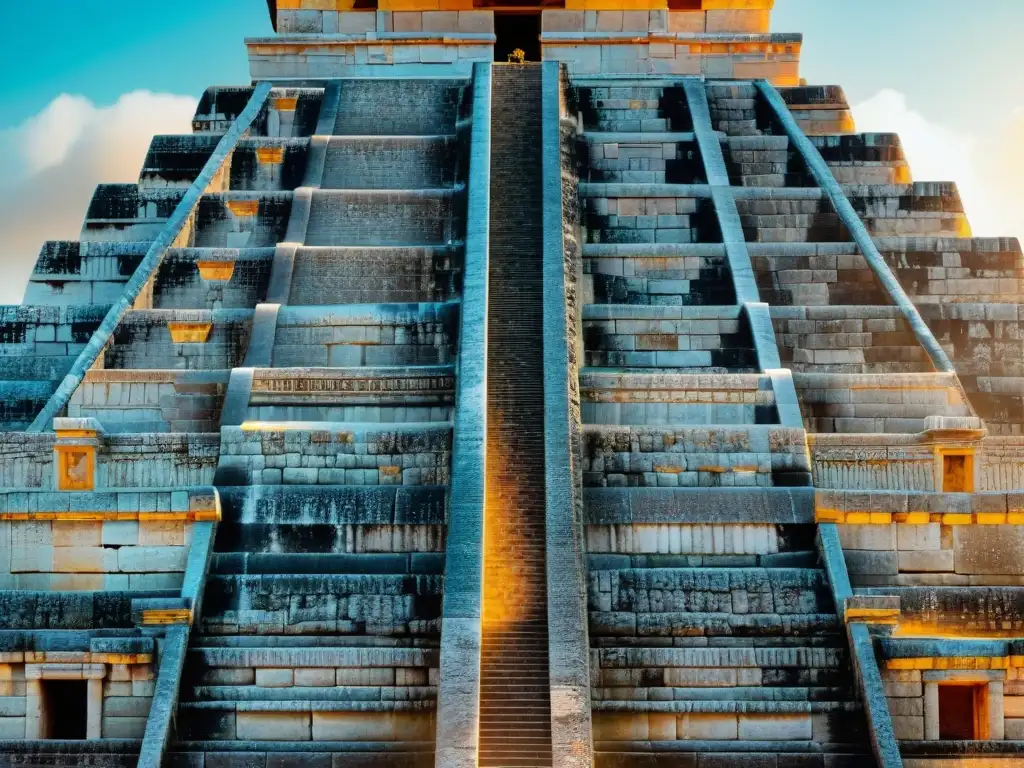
365, 38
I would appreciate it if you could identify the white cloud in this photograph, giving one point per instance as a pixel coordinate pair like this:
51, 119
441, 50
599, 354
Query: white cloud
987, 166
51, 163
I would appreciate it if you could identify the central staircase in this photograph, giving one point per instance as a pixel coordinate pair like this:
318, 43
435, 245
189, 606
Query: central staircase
515, 709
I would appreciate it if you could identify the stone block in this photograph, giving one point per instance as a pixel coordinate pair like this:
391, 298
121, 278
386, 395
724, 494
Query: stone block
12, 727
84, 560
126, 706
562, 21
989, 549
775, 727
151, 559
868, 537
354, 22
908, 728
871, 563
275, 678
78, 582
711, 727
661, 727
161, 533
919, 537
300, 760
273, 726
120, 532
313, 677
408, 21
123, 727
372, 726
621, 726
746, 21
476, 21
940, 561
1013, 706
1014, 728
440, 21
686, 21
31, 547
77, 534
903, 690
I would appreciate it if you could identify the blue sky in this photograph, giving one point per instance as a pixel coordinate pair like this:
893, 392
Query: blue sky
104, 48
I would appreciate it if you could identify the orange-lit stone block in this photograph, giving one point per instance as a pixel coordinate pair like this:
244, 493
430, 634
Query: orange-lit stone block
76, 467
270, 155
216, 270
244, 207
189, 333
165, 616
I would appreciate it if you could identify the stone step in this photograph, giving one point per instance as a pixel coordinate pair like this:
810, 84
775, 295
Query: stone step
212, 278
315, 655
293, 564
739, 693
419, 217
735, 753
106, 753
335, 505
710, 624
399, 107
729, 707
177, 339
599, 561
297, 695
392, 162
375, 274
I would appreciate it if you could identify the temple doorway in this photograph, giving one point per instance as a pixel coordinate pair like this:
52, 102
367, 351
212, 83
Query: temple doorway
963, 712
517, 30
65, 709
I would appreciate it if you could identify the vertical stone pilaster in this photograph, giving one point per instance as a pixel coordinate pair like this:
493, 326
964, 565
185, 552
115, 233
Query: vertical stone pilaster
569, 642
34, 715
931, 710
996, 724
94, 709
458, 705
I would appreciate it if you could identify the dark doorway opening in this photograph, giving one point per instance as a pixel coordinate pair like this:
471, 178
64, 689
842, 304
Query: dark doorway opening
963, 712
517, 30
65, 709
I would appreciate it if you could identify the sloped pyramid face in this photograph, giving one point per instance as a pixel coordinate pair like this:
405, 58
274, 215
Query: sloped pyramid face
625, 409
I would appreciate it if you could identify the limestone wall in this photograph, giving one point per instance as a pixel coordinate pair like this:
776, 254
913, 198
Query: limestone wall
120, 689
92, 556
336, 454
212, 278
667, 337
691, 457
908, 463
128, 212
79, 274
670, 398
366, 335
849, 340
179, 339
126, 461
370, 275
242, 220
877, 403
269, 164
656, 274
